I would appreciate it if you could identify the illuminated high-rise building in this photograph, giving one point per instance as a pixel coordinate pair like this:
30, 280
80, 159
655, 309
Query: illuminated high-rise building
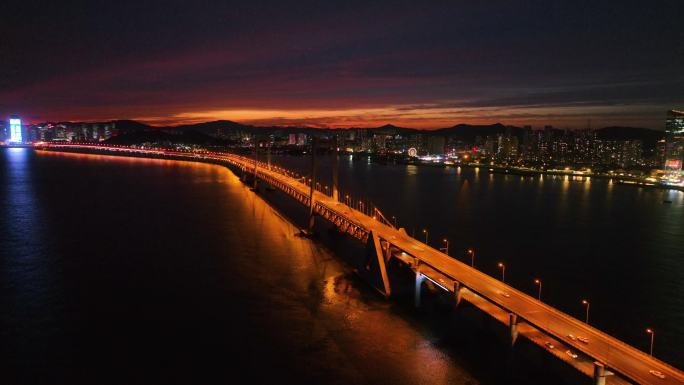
674, 138
15, 130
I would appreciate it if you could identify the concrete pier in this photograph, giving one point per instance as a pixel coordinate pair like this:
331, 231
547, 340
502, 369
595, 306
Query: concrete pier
599, 373
513, 324
458, 292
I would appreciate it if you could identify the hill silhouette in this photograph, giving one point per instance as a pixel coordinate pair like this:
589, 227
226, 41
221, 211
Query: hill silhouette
215, 132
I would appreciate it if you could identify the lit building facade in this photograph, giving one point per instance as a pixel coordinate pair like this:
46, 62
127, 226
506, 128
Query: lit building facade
674, 141
15, 130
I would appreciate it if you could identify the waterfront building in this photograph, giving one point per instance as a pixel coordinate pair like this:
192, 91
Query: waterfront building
16, 135
674, 142
435, 145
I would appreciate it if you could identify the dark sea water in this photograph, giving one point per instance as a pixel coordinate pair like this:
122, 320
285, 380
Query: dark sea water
134, 271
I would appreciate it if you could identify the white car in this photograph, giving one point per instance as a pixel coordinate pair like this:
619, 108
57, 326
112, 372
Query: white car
505, 294
571, 353
572, 337
583, 339
657, 373
549, 345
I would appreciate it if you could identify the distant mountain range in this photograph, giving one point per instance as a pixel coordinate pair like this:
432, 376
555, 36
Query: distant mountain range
215, 132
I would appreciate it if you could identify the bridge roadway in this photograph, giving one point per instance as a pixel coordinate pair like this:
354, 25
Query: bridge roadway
452, 275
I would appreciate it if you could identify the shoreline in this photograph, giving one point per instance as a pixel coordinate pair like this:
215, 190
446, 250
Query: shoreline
621, 180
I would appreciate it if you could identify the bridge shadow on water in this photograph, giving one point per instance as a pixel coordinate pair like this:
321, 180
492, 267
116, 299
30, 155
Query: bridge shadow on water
470, 338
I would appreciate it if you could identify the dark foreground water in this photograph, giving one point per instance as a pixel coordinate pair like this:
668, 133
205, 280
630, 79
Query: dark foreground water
121, 270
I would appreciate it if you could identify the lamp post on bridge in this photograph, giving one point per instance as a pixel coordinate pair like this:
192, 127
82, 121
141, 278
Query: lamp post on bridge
313, 184
446, 246
256, 162
652, 333
395, 221
503, 272
335, 172
426, 235
538, 282
587, 304
471, 252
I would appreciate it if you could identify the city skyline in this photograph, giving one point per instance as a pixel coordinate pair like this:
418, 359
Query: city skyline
349, 65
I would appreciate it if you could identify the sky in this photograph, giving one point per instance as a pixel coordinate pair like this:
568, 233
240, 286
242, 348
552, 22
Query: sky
421, 64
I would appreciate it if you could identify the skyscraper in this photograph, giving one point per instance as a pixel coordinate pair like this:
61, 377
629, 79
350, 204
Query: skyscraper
674, 137
15, 130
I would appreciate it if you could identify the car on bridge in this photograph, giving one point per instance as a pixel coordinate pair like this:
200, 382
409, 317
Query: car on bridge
657, 373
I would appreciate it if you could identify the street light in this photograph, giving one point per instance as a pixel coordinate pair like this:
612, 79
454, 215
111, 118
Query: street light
395, 221
652, 333
446, 246
503, 272
426, 235
587, 304
538, 282
472, 257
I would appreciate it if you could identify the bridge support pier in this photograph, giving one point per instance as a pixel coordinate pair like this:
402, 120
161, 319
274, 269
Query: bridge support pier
419, 288
513, 324
376, 256
458, 293
599, 373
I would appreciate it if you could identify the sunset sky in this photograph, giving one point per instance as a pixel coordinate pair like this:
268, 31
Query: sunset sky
416, 64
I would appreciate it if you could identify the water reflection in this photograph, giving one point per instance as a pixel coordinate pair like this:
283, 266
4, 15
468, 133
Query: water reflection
30, 279
207, 267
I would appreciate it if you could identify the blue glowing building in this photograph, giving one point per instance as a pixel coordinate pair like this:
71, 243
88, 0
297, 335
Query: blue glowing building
15, 130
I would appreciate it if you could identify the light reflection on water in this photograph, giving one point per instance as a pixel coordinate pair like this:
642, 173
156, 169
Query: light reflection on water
174, 271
